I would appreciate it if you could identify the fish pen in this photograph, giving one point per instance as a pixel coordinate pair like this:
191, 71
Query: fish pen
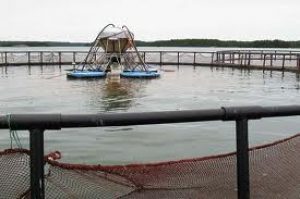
261, 59
257, 172
249, 59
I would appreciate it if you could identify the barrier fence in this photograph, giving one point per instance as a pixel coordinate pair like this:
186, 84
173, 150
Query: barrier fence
36, 124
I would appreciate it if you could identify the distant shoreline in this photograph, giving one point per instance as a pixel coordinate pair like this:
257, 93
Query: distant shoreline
168, 43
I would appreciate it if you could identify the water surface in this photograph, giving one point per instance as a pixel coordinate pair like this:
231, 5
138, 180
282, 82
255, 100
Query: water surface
45, 89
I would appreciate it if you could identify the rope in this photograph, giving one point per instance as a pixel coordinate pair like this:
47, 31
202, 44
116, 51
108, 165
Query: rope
14, 136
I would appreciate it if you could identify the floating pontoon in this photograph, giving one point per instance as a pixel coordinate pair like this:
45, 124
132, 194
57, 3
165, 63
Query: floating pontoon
113, 53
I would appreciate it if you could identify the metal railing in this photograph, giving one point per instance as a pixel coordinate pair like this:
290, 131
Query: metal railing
281, 60
38, 123
16, 58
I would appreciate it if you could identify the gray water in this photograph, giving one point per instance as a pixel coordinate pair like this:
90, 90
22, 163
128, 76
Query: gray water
46, 90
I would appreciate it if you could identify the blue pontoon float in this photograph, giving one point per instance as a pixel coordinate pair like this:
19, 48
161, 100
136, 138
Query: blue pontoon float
86, 74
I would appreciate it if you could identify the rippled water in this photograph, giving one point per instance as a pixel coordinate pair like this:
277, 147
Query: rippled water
46, 89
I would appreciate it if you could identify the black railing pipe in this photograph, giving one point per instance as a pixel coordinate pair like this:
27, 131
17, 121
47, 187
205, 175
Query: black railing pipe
242, 157
37, 185
37, 123
57, 121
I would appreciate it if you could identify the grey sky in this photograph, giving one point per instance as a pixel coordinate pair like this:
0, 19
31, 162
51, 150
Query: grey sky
81, 20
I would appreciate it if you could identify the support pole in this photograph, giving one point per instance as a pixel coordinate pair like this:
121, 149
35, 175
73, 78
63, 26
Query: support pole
212, 57
249, 59
264, 62
59, 59
178, 61
41, 58
241, 56
160, 58
194, 58
233, 58
74, 57
223, 58
298, 61
5, 58
28, 58
283, 61
242, 158
37, 164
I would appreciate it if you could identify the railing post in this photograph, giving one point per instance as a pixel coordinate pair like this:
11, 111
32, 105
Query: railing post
249, 59
241, 57
283, 61
212, 58
28, 58
144, 57
37, 164
59, 59
160, 57
178, 60
223, 58
194, 61
242, 158
233, 58
298, 61
41, 58
264, 62
5, 58
271, 60
74, 57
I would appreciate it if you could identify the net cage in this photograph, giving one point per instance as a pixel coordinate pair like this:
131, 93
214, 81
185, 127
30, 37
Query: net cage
274, 173
114, 45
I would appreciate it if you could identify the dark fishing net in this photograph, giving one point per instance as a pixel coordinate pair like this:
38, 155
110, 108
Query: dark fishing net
274, 173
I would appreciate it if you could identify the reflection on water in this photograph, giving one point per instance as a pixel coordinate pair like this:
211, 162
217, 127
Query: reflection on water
108, 94
116, 94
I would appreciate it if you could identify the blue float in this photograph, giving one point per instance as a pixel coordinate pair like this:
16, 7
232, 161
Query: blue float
86, 74
140, 74
138, 70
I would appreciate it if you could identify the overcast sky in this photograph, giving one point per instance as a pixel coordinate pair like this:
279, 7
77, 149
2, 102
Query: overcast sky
81, 20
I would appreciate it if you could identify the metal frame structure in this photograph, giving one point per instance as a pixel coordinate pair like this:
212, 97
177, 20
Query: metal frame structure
38, 123
130, 59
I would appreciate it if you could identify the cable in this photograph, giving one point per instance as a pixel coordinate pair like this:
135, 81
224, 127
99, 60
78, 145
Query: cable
13, 134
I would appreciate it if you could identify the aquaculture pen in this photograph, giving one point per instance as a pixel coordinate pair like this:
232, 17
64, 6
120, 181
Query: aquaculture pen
38, 123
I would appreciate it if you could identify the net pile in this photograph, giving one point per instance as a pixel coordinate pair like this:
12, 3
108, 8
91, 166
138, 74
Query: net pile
274, 173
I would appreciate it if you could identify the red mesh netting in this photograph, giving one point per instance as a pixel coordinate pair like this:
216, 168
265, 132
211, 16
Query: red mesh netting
274, 173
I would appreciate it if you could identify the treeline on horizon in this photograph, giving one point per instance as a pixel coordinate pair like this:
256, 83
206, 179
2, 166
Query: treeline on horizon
40, 43
222, 43
170, 43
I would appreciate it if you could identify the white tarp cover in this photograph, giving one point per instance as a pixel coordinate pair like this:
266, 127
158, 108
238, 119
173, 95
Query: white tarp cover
115, 32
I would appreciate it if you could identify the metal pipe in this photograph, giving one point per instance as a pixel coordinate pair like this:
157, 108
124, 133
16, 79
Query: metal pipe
242, 157
57, 121
37, 123
37, 164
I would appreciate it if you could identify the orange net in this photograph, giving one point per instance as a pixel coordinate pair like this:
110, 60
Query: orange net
274, 173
